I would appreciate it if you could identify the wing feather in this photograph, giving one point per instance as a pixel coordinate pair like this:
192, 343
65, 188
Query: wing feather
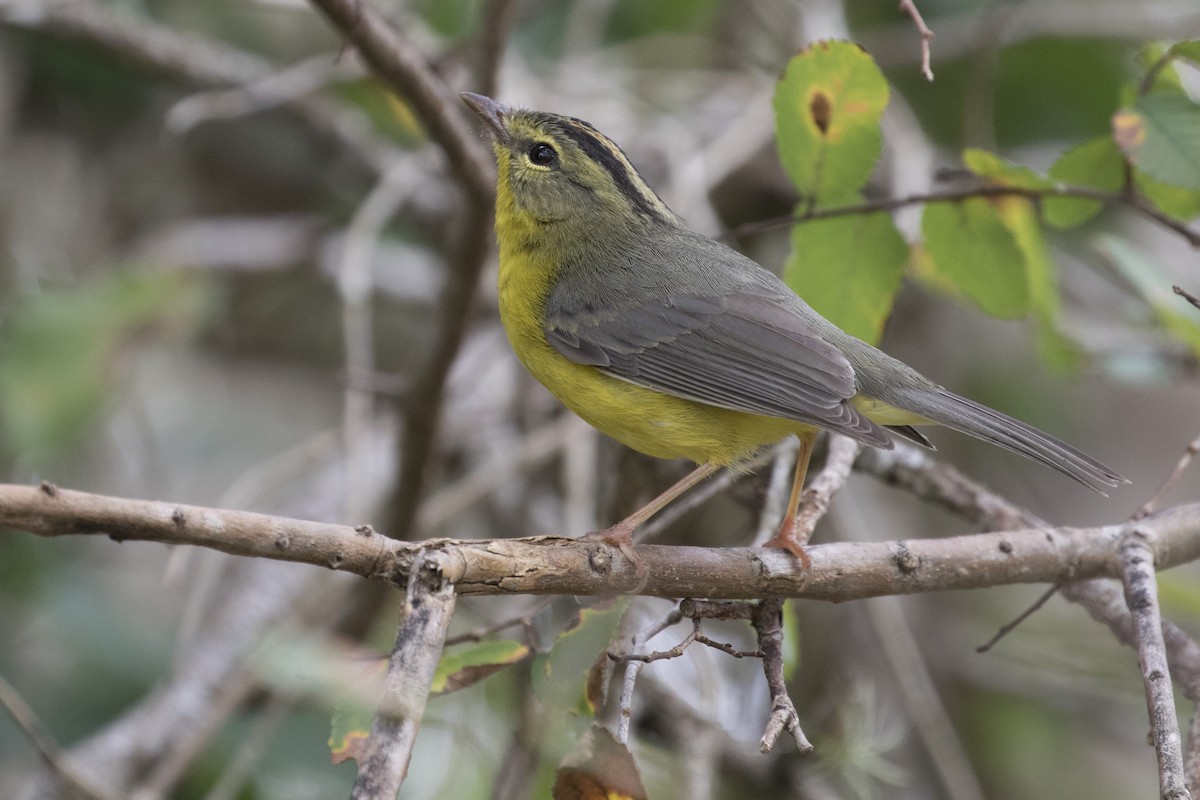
744, 350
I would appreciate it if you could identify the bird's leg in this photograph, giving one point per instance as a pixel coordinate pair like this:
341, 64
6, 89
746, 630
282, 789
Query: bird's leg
786, 537
620, 535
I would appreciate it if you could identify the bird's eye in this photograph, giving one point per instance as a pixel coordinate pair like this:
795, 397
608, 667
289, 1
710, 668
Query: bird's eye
542, 154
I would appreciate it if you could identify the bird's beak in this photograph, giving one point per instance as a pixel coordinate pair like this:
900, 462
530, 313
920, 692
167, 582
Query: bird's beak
489, 111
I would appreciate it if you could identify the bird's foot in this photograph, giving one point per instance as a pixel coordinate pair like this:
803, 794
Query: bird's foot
788, 538
620, 536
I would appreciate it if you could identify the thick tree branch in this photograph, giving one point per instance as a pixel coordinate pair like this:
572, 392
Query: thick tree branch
558, 565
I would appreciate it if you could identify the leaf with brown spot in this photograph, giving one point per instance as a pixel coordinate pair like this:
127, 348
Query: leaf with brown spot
828, 106
600, 768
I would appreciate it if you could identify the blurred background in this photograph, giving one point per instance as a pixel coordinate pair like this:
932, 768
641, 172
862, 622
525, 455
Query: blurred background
228, 277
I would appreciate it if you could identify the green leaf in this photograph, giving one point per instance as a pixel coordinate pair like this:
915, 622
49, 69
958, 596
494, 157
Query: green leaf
1002, 171
1160, 134
1096, 164
849, 269
560, 677
1020, 217
1189, 50
1174, 313
973, 253
462, 668
62, 350
827, 111
1174, 201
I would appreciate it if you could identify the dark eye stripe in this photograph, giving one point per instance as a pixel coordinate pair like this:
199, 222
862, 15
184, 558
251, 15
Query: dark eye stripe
612, 159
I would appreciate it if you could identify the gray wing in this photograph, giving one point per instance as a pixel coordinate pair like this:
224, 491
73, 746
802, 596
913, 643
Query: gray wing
743, 350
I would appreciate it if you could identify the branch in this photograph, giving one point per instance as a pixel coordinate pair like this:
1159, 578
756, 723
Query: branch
910, 8
1133, 201
424, 620
1141, 595
559, 565
401, 65
192, 59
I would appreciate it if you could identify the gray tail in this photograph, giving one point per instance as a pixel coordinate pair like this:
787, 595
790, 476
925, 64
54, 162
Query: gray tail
967, 416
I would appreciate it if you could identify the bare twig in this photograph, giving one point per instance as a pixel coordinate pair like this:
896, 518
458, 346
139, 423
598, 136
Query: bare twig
1141, 595
1186, 295
54, 758
1009, 627
561, 565
768, 624
525, 621
696, 635
1153, 503
1133, 201
909, 7
424, 620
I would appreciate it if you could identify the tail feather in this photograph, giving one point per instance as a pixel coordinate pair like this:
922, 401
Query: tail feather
967, 416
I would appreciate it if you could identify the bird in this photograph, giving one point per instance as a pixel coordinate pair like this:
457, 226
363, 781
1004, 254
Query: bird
681, 347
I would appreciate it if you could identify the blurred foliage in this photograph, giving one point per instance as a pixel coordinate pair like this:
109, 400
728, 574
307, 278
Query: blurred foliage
127, 337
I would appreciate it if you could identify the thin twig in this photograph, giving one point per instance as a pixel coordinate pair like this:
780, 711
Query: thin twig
1153, 503
424, 620
989, 190
909, 7
525, 621
1186, 295
768, 624
54, 758
1141, 595
696, 635
1008, 627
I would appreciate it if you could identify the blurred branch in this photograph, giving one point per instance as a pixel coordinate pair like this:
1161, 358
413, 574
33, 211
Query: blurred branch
910, 8
559, 565
1186, 295
494, 26
403, 67
1141, 595
424, 619
191, 59
54, 758
400, 64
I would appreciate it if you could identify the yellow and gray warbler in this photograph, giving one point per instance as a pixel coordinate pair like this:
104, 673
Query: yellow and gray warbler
681, 347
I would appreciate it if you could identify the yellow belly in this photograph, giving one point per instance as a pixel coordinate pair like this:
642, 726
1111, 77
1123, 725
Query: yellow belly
650, 422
